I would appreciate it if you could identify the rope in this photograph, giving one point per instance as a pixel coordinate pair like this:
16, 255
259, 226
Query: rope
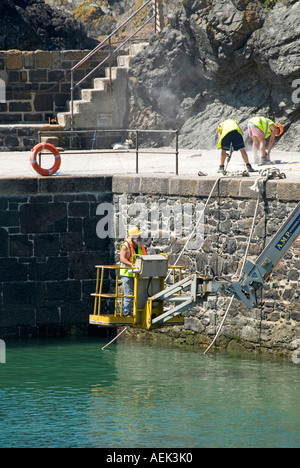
259, 185
116, 337
240, 275
196, 226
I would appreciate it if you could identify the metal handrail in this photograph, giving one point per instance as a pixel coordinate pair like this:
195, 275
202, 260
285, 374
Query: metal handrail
99, 46
135, 150
110, 54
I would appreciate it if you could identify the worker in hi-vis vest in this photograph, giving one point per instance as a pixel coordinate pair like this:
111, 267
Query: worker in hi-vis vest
260, 129
133, 245
229, 133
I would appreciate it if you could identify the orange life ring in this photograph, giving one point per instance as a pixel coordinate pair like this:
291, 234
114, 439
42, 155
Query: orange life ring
33, 159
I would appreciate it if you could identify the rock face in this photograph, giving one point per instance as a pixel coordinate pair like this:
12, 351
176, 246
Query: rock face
218, 59
99, 17
32, 25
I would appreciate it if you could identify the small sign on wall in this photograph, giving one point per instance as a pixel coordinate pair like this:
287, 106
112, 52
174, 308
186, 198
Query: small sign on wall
104, 120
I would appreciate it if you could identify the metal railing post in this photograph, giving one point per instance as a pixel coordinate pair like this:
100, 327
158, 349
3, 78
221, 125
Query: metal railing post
137, 151
177, 151
72, 100
159, 16
110, 63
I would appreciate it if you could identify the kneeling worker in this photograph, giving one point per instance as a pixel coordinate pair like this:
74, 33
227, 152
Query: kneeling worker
131, 246
230, 134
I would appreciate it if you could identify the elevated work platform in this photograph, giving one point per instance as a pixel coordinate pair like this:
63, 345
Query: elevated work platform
148, 304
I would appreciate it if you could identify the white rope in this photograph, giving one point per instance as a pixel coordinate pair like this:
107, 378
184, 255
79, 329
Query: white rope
240, 275
196, 226
116, 337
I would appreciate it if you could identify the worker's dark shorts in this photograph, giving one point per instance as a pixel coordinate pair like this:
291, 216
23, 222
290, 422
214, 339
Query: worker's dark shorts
234, 138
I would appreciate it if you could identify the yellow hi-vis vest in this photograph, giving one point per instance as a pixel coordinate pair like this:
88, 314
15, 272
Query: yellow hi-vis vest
263, 124
141, 251
226, 127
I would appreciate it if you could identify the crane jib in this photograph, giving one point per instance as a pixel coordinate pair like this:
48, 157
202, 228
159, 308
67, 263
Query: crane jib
289, 234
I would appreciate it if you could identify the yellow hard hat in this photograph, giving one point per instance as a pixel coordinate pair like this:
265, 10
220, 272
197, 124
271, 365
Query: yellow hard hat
134, 231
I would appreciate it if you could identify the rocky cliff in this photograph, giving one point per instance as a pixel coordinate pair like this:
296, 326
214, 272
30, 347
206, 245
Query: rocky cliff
32, 25
214, 59
218, 59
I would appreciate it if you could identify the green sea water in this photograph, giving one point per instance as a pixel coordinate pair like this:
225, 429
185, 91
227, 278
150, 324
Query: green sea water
70, 393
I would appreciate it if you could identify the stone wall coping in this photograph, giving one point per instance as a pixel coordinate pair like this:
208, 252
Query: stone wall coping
277, 189
283, 190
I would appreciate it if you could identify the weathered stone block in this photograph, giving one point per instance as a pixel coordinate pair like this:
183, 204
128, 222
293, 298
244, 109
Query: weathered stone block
54, 269
16, 317
126, 184
9, 218
42, 59
24, 294
47, 316
3, 243
20, 246
38, 76
29, 60
43, 218
295, 316
79, 209
288, 191
63, 291
82, 264
14, 60
46, 245
20, 107
43, 102
71, 242
55, 60
12, 270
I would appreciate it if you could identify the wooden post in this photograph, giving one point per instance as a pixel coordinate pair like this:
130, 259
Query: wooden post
159, 15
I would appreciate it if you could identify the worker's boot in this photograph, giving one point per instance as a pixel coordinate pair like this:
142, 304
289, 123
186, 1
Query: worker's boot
265, 162
250, 168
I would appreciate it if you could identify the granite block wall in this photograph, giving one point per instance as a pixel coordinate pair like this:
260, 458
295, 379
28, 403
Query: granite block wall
48, 252
37, 84
49, 246
274, 326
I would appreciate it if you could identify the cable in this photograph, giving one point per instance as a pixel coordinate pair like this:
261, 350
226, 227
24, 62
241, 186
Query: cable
240, 275
115, 338
198, 222
259, 186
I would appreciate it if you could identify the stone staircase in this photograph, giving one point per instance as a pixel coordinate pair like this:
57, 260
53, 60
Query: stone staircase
104, 106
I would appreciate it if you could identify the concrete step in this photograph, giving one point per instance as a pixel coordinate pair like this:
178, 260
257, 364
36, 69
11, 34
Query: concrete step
53, 140
95, 109
64, 119
114, 72
94, 94
124, 60
135, 49
102, 84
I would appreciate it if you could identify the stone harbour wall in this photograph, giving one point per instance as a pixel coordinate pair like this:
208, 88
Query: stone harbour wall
275, 324
48, 252
50, 246
38, 83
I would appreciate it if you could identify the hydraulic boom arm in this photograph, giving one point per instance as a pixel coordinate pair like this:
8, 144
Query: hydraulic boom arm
255, 274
